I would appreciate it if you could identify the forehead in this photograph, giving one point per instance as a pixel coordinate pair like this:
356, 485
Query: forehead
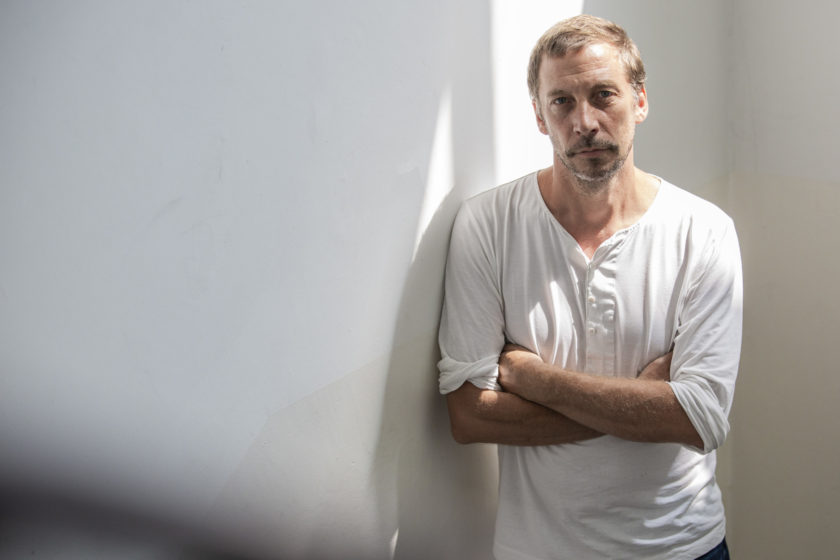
592, 64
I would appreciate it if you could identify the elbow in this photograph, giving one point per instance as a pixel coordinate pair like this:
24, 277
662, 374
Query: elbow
713, 440
701, 438
694, 440
460, 427
707, 437
462, 423
704, 413
461, 436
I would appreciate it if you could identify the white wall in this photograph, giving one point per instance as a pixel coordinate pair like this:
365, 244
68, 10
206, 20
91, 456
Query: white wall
222, 230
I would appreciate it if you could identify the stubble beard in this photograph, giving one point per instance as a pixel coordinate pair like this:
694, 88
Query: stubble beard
592, 182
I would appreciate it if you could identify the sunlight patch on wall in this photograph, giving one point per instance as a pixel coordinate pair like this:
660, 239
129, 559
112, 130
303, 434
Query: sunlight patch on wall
441, 175
516, 26
393, 543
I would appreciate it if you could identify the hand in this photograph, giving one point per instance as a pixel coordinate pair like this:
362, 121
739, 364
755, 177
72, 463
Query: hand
513, 362
659, 369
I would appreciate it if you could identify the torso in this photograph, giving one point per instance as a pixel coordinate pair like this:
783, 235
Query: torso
593, 307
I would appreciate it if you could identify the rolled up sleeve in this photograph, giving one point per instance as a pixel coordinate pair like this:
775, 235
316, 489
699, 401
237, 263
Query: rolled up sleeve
708, 341
472, 323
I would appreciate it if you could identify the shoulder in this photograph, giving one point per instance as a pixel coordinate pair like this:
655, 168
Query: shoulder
697, 228
499, 202
685, 209
487, 219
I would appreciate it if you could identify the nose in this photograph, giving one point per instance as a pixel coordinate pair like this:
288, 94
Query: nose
584, 119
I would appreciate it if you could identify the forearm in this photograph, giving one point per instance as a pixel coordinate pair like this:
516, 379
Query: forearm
483, 416
637, 409
629, 408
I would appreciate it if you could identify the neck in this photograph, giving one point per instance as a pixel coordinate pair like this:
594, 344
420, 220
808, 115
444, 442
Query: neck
592, 212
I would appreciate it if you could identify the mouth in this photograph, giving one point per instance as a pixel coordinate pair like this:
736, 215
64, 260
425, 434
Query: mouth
594, 150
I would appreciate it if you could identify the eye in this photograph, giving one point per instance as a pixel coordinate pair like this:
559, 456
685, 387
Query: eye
560, 100
603, 94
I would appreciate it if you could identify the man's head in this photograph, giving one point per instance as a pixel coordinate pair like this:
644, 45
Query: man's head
587, 87
577, 32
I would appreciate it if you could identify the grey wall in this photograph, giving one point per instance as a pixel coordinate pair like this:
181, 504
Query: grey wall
685, 48
786, 194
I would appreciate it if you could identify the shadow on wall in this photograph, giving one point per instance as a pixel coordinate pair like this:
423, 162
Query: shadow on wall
445, 492
435, 498
366, 467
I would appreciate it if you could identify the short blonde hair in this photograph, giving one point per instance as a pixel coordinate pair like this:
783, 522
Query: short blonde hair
577, 32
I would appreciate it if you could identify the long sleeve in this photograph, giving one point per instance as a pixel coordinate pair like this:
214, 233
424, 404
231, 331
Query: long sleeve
472, 324
708, 341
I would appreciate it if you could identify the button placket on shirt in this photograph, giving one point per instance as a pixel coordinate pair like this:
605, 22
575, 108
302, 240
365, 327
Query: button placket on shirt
599, 305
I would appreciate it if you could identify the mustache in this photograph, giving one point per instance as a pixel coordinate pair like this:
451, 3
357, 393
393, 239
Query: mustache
591, 144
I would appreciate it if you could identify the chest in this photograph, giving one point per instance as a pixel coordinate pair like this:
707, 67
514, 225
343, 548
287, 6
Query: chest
611, 314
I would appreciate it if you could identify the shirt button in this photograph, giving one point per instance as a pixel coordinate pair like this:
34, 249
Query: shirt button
591, 299
591, 330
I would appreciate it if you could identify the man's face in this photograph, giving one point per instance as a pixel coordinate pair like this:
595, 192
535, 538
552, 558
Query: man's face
589, 110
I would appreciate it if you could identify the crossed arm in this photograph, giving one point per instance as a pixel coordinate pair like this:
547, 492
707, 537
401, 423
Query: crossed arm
544, 404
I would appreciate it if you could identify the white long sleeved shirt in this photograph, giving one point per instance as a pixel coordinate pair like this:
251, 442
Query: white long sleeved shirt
672, 280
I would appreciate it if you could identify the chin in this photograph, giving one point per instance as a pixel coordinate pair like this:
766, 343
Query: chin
596, 176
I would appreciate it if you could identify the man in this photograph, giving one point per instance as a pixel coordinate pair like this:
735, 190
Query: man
592, 327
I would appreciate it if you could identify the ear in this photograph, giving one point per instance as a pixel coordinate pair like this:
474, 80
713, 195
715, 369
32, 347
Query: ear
641, 105
540, 121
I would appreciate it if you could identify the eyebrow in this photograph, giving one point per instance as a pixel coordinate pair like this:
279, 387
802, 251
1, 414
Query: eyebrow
557, 92
605, 85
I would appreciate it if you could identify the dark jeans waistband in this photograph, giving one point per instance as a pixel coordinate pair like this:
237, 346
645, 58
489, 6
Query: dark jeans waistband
720, 552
